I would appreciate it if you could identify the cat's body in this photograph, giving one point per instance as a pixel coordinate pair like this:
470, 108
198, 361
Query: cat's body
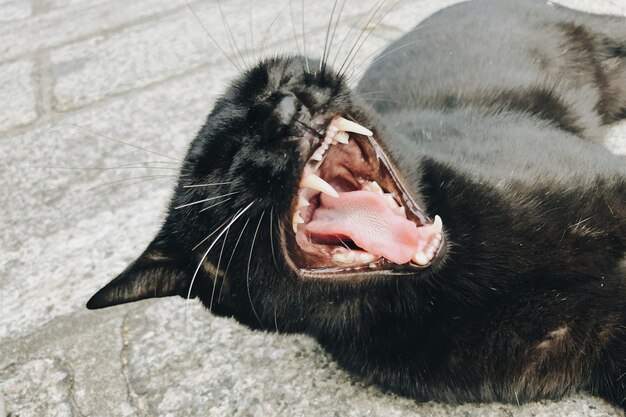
526, 297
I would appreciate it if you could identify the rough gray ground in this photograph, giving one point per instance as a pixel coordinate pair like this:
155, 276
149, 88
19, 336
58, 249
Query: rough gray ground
146, 72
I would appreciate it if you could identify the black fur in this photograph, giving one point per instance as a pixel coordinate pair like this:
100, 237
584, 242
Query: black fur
491, 111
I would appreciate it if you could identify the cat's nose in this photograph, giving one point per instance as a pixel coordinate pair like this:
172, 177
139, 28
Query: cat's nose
287, 108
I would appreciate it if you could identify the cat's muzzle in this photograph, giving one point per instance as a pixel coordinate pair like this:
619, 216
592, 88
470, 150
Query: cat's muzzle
352, 212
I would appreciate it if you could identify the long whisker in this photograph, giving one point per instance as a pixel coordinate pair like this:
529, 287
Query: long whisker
102, 197
212, 184
205, 200
363, 31
267, 31
229, 34
349, 64
347, 35
308, 70
235, 64
251, 27
147, 177
217, 269
330, 23
332, 37
315, 132
133, 165
358, 23
295, 36
209, 235
248, 273
360, 64
195, 274
215, 204
80, 188
232, 255
272, 237
132, 145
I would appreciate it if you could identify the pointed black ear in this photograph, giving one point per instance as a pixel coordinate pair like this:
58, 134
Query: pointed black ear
153, 274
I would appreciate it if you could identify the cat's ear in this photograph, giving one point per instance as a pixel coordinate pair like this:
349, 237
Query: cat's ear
156, 273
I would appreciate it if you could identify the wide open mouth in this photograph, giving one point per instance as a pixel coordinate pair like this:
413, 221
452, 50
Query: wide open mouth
352, 213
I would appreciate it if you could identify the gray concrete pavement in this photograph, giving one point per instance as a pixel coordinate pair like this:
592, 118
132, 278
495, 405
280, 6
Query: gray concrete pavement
147, 73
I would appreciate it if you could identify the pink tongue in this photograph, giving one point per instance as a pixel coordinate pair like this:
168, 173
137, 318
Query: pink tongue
365, 218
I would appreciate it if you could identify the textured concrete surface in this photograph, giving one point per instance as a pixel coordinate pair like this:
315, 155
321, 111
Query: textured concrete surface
78, 78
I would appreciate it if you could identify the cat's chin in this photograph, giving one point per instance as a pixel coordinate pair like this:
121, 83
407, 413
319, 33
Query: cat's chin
352, 214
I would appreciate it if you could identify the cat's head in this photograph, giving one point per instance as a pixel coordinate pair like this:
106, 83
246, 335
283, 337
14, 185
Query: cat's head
287, 201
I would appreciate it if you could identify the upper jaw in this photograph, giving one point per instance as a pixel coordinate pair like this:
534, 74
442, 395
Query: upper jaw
348, 158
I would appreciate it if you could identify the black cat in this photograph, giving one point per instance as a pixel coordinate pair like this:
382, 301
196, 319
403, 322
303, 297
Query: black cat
464, 239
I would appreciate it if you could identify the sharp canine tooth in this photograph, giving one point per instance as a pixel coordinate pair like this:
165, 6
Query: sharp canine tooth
303, 202
342, 137
316, 183
296, 221
437, 225
350, 126
317, 156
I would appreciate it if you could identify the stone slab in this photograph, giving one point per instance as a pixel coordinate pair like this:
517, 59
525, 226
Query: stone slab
17, 94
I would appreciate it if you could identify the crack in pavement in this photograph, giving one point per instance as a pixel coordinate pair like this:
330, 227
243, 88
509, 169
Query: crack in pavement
72, 389
134, 399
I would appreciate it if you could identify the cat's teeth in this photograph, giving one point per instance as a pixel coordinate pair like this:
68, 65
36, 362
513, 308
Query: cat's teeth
348, 257
302, 202
373, 185
344, 258
316, 183
427, 254
317, 156
297, 219
342, 137
421, 258
349, 126
391, 202
365, 257
437, 226
433, 246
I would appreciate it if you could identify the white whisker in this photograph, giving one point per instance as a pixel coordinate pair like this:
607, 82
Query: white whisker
209, 236
365, 31
195, 274
306, 58
217, 269
100, 198
215, 204
235, 64
229, 35
146, 177
326, 56
205, 200
248, 273
133, 165
272, 237
219, 296
207, 185
126, 143
326, 38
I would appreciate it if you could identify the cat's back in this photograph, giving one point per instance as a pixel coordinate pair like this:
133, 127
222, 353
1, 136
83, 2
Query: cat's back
511, 55
500, 149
